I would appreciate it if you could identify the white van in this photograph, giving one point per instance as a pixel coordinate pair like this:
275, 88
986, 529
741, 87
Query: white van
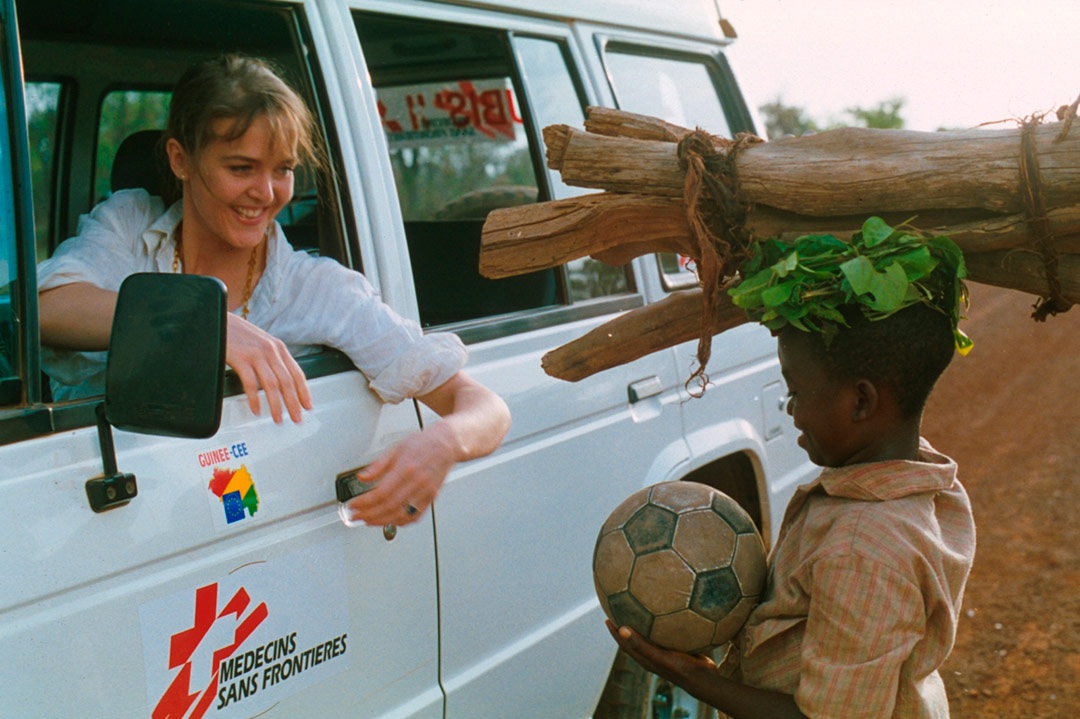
173, 604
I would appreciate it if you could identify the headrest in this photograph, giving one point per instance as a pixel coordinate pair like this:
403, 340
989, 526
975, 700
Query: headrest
140, 162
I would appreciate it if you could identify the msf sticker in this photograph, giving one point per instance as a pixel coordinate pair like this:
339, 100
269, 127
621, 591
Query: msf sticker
178, 698
237, 646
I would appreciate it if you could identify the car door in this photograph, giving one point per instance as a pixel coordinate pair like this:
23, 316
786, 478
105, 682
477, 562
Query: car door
461, 95
228, 586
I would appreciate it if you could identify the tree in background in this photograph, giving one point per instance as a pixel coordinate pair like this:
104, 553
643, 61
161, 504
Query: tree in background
785, 120
792, 121
884, 115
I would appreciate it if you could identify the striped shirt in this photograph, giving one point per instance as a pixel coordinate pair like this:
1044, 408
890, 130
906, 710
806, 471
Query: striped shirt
864, 591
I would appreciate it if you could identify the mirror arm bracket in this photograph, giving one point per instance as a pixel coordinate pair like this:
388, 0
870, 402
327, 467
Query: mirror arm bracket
112, 489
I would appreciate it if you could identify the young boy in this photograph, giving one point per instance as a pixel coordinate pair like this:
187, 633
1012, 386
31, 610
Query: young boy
868, 571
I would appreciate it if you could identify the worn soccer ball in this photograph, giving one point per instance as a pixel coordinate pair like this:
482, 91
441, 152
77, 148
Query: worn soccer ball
680, 563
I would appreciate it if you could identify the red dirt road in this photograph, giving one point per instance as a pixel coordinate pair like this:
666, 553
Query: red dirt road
1009, 413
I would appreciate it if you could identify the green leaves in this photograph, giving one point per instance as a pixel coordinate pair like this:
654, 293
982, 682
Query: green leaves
882, 270
859, 273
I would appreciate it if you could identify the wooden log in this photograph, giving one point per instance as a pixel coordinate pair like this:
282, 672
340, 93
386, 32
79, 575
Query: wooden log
616, 228
849, 171
618, 164
671, 321
1024, 270
538, 236
973, 231
859, 170
617, 123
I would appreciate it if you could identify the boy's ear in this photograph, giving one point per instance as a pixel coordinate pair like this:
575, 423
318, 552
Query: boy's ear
867, 400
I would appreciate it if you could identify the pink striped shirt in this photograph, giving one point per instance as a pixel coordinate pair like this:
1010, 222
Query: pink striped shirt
864, 591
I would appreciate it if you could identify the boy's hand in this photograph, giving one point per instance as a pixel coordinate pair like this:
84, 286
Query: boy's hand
677, 667
698, 676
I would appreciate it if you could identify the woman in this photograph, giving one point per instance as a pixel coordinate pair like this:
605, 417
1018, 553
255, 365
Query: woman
236, 131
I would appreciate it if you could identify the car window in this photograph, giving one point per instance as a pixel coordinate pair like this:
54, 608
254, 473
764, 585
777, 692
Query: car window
461, 116
93, 85
457, 147
682, 90
42, 102
557, 99
123, 113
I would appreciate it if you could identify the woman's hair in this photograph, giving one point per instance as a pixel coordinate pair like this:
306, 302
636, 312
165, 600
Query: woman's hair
242, 89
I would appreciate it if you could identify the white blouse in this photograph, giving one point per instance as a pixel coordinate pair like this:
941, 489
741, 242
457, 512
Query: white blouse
302, 300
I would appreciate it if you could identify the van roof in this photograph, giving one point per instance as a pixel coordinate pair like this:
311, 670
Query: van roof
692, 18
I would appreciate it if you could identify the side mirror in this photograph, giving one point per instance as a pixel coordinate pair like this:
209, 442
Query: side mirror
166, 370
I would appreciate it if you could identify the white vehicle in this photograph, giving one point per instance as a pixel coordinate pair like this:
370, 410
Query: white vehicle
174, 601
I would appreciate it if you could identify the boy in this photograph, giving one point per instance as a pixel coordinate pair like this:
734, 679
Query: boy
868, 572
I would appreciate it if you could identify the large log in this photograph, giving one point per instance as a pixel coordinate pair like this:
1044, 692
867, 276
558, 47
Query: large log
634, 334
617, 227
849, 171
548, 234
677, 318
969, 185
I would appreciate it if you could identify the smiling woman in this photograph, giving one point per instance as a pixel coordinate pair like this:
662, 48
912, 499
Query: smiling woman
236, 132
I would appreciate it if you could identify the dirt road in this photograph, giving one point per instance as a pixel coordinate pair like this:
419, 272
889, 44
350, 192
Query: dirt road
1009, 413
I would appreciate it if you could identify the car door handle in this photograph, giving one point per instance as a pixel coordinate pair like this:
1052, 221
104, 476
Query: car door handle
348, 485
645, 388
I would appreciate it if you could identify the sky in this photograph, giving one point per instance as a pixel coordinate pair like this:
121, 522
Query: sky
957, 63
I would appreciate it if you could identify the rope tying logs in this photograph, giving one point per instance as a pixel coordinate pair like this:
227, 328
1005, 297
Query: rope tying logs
1042, 239
717, 218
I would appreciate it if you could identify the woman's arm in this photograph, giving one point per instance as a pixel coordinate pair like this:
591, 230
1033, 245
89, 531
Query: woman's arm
78, 316
473, 422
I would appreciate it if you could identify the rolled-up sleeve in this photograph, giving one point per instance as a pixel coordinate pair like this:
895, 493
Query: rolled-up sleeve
865, 618
342, 310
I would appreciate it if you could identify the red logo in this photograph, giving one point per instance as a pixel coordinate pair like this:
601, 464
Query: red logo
178, 698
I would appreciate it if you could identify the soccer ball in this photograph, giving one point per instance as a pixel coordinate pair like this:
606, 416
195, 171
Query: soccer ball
680, 563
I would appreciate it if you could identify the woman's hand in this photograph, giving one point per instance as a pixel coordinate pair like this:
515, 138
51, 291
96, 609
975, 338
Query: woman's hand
407, 478
473, 422
261, 360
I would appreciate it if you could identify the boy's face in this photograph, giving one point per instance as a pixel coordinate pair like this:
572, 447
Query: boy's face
821, 407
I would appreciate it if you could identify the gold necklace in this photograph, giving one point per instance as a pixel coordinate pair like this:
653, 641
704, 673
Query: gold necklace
248, 287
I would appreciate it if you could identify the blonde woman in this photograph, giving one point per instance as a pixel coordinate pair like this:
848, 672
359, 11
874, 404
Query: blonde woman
235, 135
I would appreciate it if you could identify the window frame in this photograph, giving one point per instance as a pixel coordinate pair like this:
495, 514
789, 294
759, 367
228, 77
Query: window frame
736, 112
34, 416
495, 327
24, 417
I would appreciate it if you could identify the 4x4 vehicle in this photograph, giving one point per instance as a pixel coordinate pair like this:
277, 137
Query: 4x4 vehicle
176, 605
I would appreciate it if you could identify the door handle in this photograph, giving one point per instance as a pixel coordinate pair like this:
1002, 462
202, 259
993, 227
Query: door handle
348, 485
645, 388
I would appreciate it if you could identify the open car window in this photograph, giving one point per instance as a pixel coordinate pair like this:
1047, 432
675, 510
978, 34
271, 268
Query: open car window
462, 108
103, 76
